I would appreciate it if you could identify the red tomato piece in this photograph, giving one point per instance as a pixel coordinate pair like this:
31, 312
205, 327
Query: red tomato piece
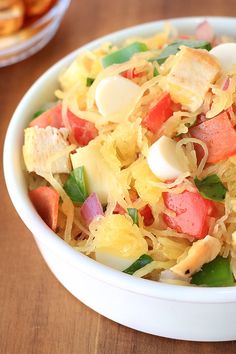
146, 213
219, 136
82, 130
131, 74
52, 118
184, 36
159, 113
46, 202
192, 213
119, 209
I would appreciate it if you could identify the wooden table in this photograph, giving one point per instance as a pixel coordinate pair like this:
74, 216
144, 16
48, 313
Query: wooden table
37, 315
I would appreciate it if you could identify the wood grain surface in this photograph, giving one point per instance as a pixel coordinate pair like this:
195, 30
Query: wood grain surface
37, 315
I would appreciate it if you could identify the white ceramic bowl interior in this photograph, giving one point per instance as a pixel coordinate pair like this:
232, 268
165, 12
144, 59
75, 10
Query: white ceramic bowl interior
200, 314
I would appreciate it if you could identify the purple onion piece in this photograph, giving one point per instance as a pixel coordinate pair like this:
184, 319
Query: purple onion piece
204, 32
91, 208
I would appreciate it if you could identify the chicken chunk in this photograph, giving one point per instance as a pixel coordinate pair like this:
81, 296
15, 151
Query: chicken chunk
201, 252
46, 150
193, 72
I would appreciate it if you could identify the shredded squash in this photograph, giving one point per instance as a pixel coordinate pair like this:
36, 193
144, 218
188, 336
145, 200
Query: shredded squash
132, 197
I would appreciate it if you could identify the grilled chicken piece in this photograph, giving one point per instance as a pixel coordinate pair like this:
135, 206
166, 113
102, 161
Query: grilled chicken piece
201, 252
46, 150
193, 72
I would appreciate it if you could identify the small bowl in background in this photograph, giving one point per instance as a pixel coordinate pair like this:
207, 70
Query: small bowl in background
32, 38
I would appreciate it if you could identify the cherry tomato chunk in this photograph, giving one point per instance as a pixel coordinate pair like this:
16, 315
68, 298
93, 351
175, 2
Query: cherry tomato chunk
192, 213
51, 117
82, 130
157, 115
46, 202
219, 136
146, 213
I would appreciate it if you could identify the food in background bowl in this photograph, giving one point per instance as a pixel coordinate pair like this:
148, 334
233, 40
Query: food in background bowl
134, 165
14, 14
11, 17
35, 30
38, 7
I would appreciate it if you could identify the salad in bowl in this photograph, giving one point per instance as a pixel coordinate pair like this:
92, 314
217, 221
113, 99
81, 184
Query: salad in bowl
134, 163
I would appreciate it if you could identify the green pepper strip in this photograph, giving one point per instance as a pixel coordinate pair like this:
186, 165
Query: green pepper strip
38, 113
211, 188
155, 72
124, 54
133, 213
215, 273
174, 47
75, 186
89, 81
138, 264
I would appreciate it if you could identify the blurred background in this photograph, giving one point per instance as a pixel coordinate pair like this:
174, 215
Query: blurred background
37, 315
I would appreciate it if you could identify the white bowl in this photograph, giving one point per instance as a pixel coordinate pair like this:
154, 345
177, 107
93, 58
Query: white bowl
200, 314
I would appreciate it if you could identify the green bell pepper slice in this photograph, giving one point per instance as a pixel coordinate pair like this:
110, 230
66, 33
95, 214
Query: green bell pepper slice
133, 213
124, 54
214, 273
75, 185
138, 264
173, 48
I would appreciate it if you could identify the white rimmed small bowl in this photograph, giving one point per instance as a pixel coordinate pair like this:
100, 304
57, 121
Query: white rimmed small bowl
191, 313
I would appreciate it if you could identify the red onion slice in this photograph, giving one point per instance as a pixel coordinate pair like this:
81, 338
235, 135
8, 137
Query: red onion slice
91, 208
204, 31
226, 84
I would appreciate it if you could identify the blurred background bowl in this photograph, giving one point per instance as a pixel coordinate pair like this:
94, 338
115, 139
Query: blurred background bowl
30, 39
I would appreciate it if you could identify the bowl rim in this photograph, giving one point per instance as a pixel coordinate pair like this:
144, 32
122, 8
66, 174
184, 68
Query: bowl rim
57, 9
45, 235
